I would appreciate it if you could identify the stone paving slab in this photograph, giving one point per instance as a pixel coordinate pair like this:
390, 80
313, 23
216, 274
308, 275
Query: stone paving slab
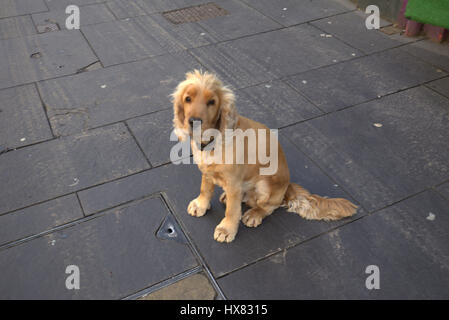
441, 86
291, 12
39, 218
274, 104
333, 266
141, 37
99, 97
157, 6
181, 183
57, 167
255, 59
384, 150
350, 28
114, 253
434, 53
12, 8
62, 4
232, 66
123, 9
122, 41
43, 56
136, 186
352, 82
240, 21
152, 133
90, 14
22, 107
176, 37
15, 27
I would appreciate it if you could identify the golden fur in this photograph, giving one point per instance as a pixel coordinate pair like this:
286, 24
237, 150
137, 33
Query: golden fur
203, 96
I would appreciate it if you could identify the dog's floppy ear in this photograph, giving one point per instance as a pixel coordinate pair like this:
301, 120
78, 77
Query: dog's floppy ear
178, 111
228, 115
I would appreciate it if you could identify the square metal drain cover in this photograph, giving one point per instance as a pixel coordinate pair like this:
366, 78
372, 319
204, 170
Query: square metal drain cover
195, 13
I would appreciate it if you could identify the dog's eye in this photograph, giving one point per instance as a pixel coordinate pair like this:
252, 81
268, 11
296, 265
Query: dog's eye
188, 99
211, 102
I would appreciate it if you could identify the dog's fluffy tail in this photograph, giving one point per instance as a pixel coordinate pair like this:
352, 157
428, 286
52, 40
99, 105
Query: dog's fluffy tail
314, 207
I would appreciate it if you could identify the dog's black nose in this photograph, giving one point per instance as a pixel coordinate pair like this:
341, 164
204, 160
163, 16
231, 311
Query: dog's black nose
192, 119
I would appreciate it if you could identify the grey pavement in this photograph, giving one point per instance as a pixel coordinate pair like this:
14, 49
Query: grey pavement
86, 177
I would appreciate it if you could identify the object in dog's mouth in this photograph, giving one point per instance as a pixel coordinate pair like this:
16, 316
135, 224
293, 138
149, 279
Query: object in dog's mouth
202, 97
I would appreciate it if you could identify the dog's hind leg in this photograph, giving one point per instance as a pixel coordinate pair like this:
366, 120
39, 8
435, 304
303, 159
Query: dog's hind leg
263, 202
223, 198
254, 216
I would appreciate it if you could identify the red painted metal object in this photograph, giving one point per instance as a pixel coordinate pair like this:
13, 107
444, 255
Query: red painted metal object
435, 33
413, 28
402, 21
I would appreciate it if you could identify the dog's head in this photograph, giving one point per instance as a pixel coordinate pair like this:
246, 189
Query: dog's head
202, 97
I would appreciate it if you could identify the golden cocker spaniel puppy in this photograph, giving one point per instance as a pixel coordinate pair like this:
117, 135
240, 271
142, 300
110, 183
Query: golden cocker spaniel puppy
202, 98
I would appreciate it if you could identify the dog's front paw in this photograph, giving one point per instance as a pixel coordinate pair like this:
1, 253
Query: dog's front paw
252, 218
196, 208
225, 232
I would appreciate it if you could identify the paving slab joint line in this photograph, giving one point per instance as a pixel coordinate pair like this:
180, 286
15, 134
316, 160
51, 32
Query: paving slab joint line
298, 24
287, 83
85, 68
441, 194
434, 188
34, 23
440, 184
425, 60
26, 14
91, 48
106, 4
435, 90
326, 17
260, 12
137, 143
350, 45
341, 40
423, 84
80, 204
25, 146
194, 249
44, 106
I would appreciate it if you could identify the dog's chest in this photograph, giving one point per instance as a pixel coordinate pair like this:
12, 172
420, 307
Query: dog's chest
217, 178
